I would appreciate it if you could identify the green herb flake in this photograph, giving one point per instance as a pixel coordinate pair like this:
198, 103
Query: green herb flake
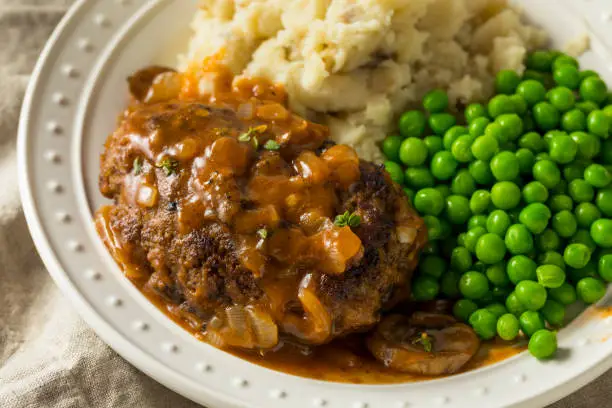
262, 233
272, 145
169, 165
348, 220
138, 162
425, 341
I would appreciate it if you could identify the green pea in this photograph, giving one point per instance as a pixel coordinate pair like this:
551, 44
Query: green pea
498, 222
541, 77
552, 258
485, 147
461, 259
550, 276
478, 126
603, 201
553, 312
506, 82
425, 288
520, 268
577, 255
531, 321
593, 89
540, 61
562, 98
412, 124
435, 101
589, 271
505, 166
543, 344
435, 229
499, 105
548, 240
567, 76
413, 152
601, 232
597, 176
418, 177
464, 308
443, 165
564, 294
563, 59
395, 171
497, 309
508, 327
520, 108
588, 144
501, 293
409, 193
581, 191
453, 134
598, 124
546, 116
480, 201
511, 125
560, 202
484, 323
574, 120
441, 122
532, 91
434, 145
531, 294
391, 146
495, 130
535, 217
562, 148
513, 305
547, 173
475, 111
519, 240
583, 236
481, 171
462, 149
479, 220
535, 192
590, 290
449, 285
586, 214
457, 209
505, 195
433, 266
497, 274
472, 236
587, 107
473, 285
604, 267
587, 73
490, 248
564, 223
429, 201
526, 160
532, 141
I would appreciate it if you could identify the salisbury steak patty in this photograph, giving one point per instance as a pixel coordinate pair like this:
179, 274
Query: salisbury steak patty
248, 226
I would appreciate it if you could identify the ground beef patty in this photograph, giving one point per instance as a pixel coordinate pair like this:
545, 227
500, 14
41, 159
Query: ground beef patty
215, 214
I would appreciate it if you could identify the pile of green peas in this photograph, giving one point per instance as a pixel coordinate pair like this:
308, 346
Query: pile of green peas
517, 198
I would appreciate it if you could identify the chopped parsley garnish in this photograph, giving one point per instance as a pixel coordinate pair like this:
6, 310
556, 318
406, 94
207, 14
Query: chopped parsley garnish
425, 341
262, 233
138, 162
272, 145
169, 165
348, 220
249, 135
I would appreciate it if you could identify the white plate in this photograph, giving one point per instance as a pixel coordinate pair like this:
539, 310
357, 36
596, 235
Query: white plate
76, 92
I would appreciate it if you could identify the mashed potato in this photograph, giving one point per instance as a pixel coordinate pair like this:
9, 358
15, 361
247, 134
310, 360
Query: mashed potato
355, 65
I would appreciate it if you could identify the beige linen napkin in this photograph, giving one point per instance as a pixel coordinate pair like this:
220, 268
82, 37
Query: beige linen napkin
48, 356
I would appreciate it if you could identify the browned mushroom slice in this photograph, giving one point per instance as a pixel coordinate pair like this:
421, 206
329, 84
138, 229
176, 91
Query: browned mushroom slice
141, 81
423, 344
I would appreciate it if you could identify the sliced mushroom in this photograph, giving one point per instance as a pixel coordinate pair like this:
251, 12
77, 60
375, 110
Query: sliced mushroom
141, 81
424, 343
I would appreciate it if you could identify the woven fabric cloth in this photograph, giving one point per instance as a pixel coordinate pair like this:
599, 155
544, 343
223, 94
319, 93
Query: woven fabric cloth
48, 356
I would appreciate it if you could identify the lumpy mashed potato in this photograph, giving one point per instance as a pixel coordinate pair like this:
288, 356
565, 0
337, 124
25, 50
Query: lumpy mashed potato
356, 65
